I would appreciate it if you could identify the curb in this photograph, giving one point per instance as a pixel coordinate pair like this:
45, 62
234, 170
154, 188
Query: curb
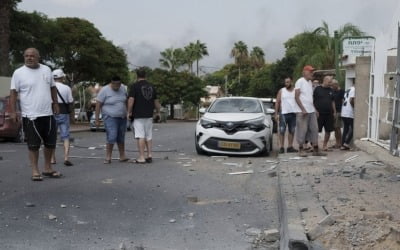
292, 232
378, 152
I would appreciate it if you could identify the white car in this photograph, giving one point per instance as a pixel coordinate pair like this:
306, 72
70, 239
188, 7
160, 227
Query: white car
234, 126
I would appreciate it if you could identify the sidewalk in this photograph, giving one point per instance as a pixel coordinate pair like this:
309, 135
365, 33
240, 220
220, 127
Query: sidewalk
346, 200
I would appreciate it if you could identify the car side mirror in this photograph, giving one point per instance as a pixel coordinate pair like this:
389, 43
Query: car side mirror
202, 110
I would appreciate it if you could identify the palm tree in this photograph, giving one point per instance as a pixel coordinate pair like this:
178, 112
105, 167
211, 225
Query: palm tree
189, 56
240, 53
200, 50
346, 30
172, 58
328, 55
257, 57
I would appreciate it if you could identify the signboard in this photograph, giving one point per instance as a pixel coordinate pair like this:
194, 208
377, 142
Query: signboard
358, 46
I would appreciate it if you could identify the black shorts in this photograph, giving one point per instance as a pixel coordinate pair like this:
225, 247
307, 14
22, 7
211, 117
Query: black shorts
325, 121
42, 129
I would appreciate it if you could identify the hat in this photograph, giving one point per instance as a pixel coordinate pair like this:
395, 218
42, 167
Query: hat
308, 68
58, 73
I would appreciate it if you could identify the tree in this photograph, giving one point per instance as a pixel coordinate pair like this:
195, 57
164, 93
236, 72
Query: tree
6, 7
200, 50
257, 57
346, 30
73, 44
172, 58
240, 54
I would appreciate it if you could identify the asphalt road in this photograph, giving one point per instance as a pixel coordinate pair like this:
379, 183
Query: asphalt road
180, 201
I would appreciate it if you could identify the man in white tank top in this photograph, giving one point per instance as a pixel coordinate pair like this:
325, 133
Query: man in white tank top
285, 114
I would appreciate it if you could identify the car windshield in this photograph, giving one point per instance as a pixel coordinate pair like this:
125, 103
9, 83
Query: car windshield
235, 106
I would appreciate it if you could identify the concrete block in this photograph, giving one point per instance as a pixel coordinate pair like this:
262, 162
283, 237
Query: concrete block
327, 221
271, 235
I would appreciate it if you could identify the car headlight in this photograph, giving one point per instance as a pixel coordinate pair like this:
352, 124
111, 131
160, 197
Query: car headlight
257, 123
207, 123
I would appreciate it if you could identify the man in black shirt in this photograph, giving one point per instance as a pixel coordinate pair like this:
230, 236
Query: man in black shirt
325, 106
141, 103
338, 95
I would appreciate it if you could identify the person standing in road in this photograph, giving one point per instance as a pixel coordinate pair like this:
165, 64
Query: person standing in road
37, 92
338, 95
306, 118
348, 117
324, 103
141, 103
285, 115
111, 101
65, 102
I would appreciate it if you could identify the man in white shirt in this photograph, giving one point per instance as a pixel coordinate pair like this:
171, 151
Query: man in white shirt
285, 115
34, 84
65, 102
306, 117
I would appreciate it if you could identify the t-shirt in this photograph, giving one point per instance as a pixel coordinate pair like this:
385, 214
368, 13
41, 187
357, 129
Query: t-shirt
338, 96
144, 95
306, 95
66, 93
347, 109
34, 89
114, 102
323, 98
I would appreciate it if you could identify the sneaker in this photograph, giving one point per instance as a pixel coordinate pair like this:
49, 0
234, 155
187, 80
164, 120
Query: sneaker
319, 153
281, 150
291, 150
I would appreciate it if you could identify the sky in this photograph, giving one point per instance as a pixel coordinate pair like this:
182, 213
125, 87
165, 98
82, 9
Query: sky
145, 28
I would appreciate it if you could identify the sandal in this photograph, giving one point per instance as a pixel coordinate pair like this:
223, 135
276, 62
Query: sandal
68, 163
52, 174
107, 161
37, 177
124, 160
149, 160
343, 147
140, 162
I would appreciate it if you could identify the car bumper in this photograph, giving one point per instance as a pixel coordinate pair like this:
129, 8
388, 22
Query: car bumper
216, 141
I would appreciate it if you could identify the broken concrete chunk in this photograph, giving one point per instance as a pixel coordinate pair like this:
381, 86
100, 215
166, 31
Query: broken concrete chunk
272, 174
327, 221
52, 217
316, 232
29, 204
271, 235
253, 231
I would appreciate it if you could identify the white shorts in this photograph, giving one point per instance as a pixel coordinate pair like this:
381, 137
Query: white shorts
143, 128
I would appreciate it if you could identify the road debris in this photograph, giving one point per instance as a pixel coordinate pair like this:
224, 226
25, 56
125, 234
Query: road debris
242, 172
351, 158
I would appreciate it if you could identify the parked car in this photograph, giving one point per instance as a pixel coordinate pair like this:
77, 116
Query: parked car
235, 126
94, 128
269, 106
10, 129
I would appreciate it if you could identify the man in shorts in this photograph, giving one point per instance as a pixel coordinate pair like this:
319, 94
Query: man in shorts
65, 102
141, 103
325, 105
306, 117
285, 107
34, 85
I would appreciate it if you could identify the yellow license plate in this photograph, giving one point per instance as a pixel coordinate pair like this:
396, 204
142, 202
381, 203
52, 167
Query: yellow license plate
227, 144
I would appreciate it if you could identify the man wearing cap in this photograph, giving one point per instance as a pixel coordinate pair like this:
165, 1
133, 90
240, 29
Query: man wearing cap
65, 101
34, 85
306, 117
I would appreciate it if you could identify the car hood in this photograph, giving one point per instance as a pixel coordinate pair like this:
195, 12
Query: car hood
232, 117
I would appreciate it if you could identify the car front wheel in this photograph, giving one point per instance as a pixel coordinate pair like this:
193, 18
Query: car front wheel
199, 150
